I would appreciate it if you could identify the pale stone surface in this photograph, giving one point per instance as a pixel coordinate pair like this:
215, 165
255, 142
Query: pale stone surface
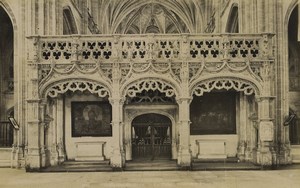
89, 151
211, 149
220, 179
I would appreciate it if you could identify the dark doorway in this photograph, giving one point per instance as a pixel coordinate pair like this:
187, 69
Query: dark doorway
6, 78
151, 137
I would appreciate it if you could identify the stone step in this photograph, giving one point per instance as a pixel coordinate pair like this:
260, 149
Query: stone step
5, 164
295, 153
224, 166
148, 165
69, 163
212, 160
80, 166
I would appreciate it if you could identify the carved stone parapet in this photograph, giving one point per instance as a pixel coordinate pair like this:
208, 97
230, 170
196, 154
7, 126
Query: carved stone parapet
266, 45
226, 46
33, 50
75, 48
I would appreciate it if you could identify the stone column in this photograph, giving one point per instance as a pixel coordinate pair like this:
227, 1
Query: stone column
43, 129
116, 101
116, 160
33, 158
266, 136
53, 128
265, 151
60, 129
242, 124
36, 157
184, 155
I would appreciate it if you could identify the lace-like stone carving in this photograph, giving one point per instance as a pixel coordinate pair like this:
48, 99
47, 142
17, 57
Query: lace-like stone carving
56, 50
242, 48
227, 84
209, 48
96, 49
73, 86
147, 85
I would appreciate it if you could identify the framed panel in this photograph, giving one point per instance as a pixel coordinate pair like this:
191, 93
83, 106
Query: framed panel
92, 118
13, 122
213, 113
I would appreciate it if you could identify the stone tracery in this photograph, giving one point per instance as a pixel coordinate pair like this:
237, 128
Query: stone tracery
225, 83
147, 85
80, 85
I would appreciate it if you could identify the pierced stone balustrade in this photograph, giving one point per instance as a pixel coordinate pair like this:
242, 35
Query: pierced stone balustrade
157, 47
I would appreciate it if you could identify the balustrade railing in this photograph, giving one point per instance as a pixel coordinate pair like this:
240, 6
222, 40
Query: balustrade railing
6, 134
158, 47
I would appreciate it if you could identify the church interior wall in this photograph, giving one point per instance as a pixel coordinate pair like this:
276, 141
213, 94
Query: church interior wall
45, 17
70, 142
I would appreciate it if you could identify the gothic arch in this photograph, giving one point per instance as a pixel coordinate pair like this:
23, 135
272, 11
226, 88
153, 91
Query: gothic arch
10, 13
137, 86
152, 111
285, 54
79, 84
232, 25
69, 23
227, 83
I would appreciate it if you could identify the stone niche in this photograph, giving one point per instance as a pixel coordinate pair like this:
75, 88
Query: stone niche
211, 149
89, 151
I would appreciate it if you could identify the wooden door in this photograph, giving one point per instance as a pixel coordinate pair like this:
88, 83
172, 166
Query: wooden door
151, 139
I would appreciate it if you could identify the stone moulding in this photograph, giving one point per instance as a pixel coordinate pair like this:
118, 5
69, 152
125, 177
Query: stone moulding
225, 83
158, 47
61, 87
138, 87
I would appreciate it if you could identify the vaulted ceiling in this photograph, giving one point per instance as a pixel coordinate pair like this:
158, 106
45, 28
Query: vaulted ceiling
151, 16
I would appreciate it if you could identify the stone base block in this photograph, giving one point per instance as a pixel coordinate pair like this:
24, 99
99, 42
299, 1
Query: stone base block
89, 151
211, 149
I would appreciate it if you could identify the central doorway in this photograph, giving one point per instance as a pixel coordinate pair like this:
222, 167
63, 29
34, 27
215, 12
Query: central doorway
151, 137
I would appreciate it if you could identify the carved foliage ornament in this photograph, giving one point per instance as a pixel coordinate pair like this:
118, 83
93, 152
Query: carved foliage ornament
227, 84
63, 87
147, 85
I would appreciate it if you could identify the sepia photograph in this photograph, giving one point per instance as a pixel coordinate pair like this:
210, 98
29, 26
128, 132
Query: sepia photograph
150, 93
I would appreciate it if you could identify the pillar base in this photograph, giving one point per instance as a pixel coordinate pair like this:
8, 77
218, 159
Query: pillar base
284, 156
116, 161
264, 157
17, 157
185, 160
33, 163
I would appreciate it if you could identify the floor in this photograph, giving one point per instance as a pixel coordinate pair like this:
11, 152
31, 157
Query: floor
288, 177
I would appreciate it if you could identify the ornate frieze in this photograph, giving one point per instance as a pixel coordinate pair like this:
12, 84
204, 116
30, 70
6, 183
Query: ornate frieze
141, 48
79, 85
227, 84
180, 59
146, 85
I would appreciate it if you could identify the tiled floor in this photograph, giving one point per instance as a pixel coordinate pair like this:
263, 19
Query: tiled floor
284, 178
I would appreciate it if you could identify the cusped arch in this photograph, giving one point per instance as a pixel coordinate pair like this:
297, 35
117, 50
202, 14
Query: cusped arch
225, 83
137, 86
152, 111
60, 87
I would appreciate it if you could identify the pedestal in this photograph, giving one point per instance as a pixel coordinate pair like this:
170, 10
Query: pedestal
89, 151
211, 149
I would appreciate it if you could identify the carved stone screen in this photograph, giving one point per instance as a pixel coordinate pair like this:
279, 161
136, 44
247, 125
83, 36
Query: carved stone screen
213, 113
91, 119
